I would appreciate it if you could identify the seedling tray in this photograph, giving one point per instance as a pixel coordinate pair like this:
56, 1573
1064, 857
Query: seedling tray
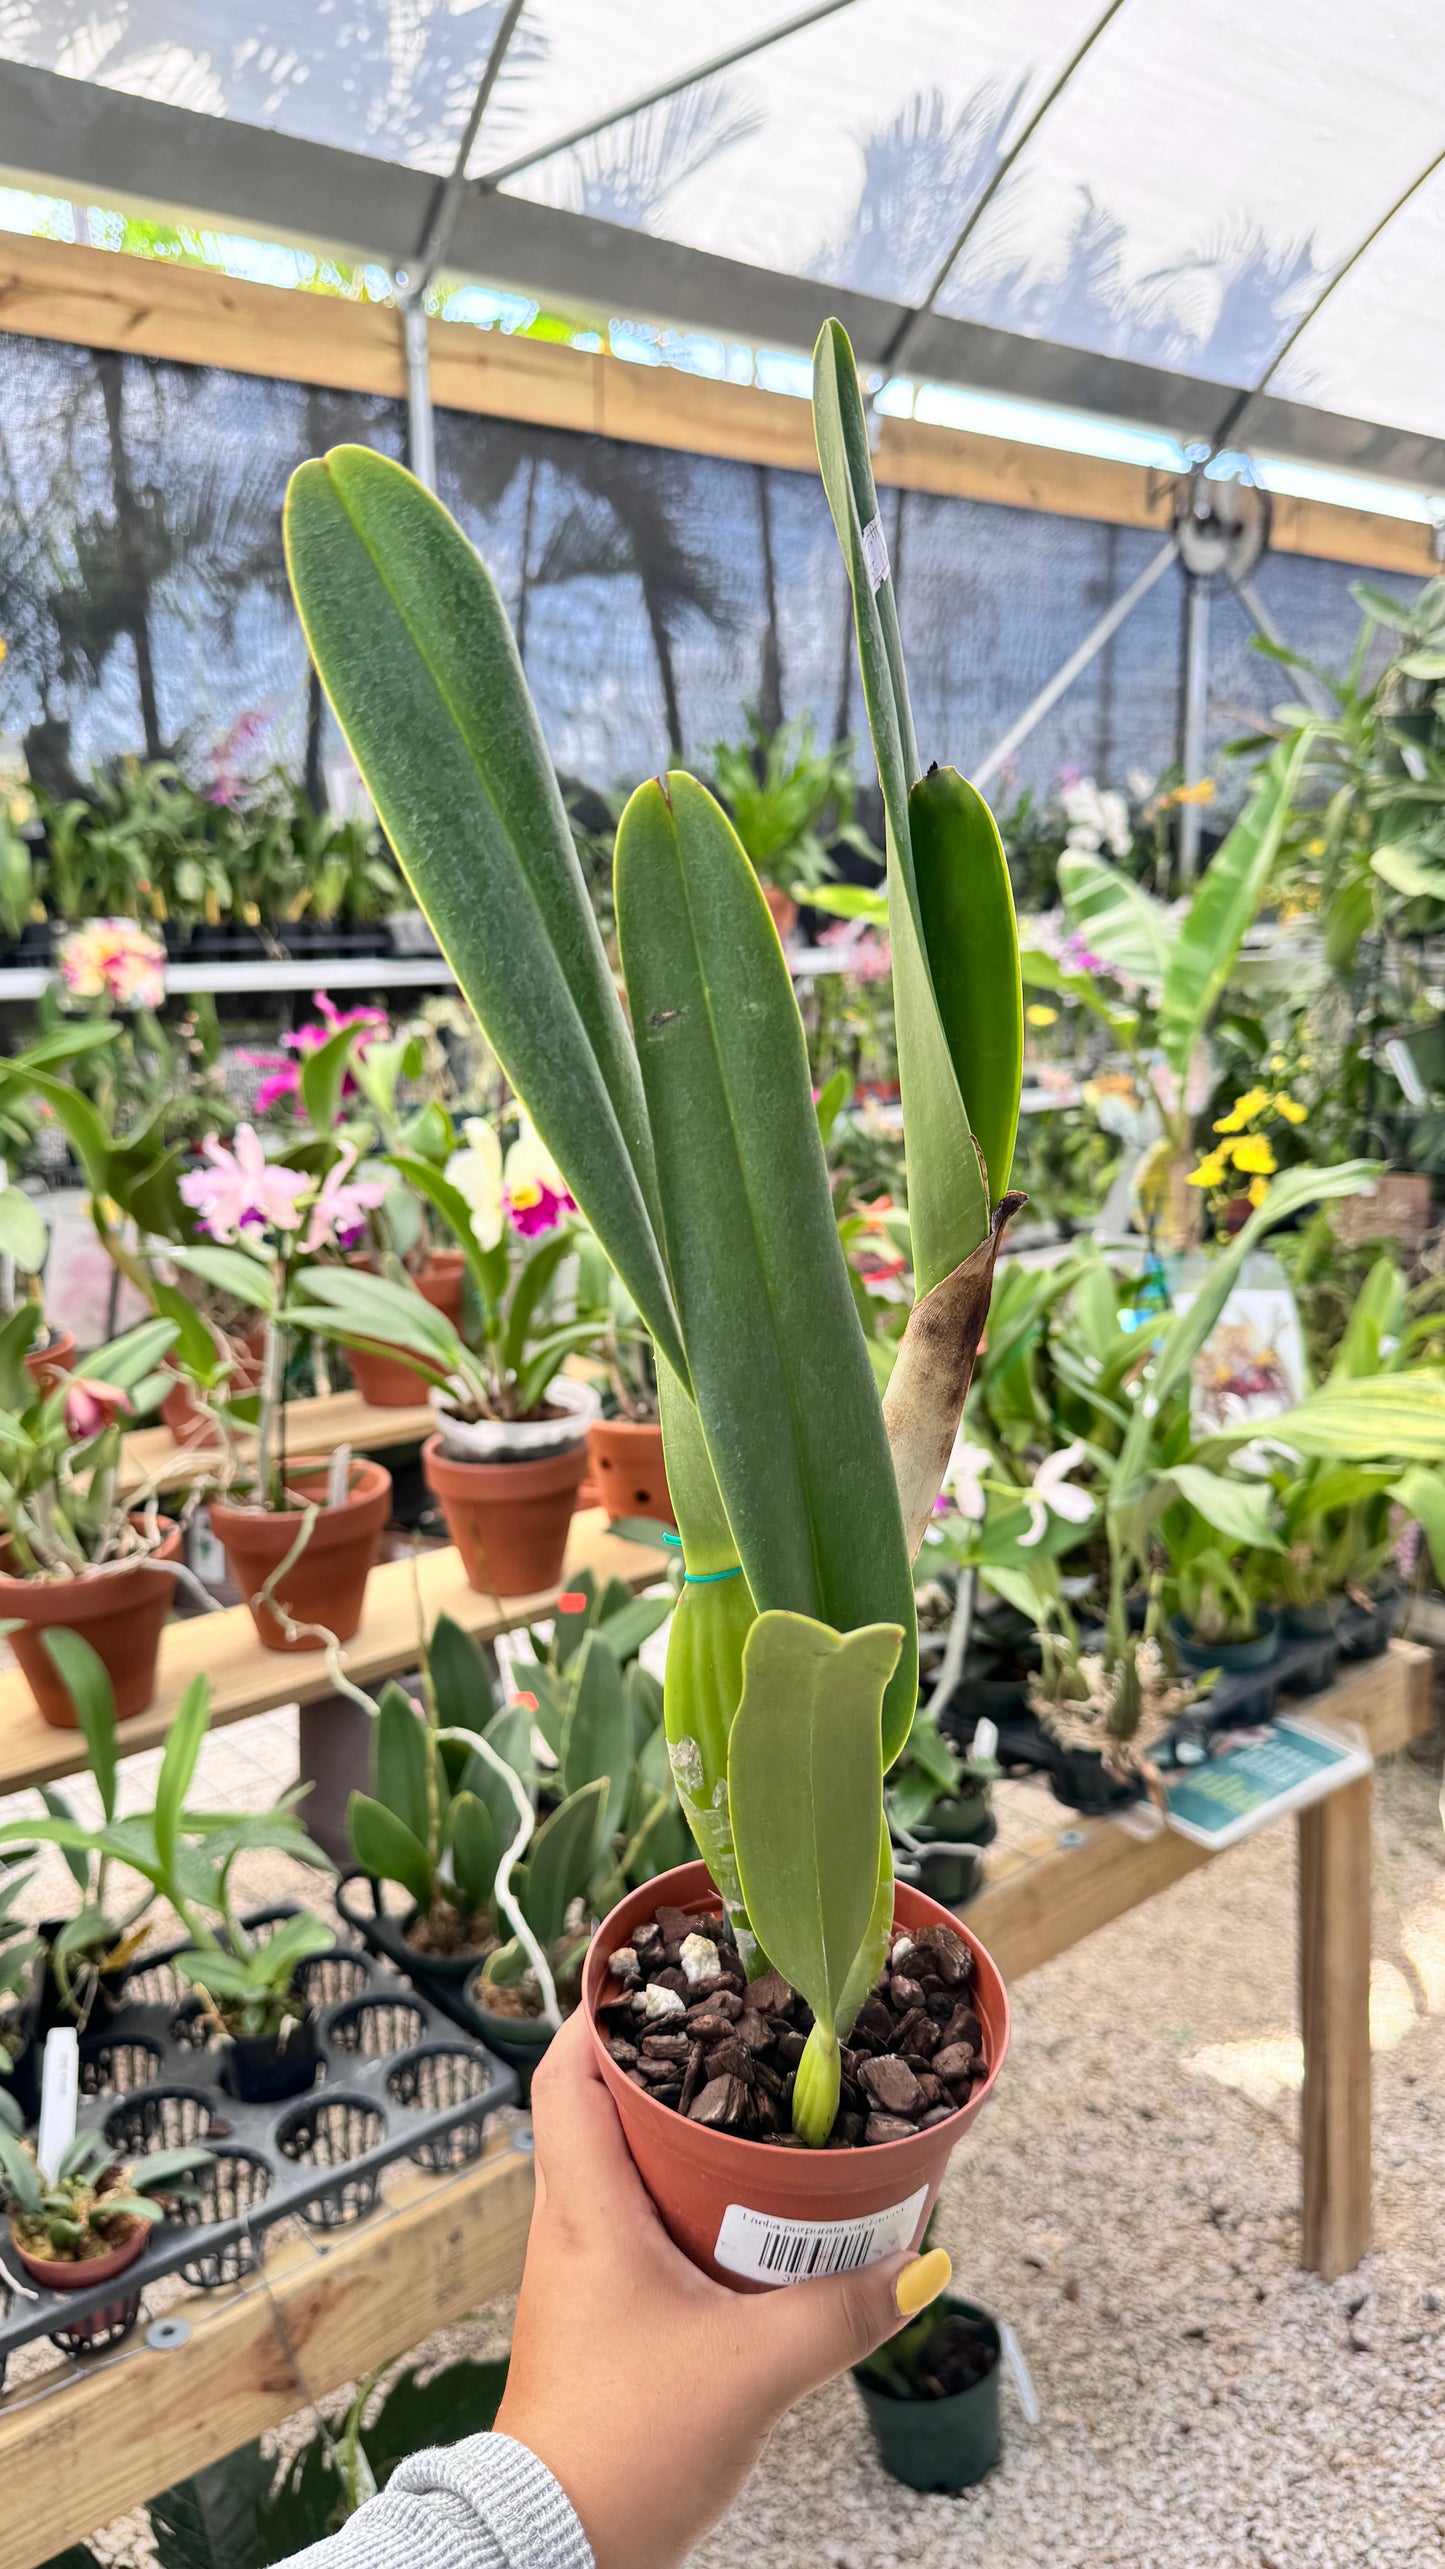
396, 2081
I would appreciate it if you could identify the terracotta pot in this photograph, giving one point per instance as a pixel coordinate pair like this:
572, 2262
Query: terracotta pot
718, 2194
628, 1471
44, 1363
121, 1613
326, 1584
508, 1521
189, 1423
783, 907
392, 1382
77, 2274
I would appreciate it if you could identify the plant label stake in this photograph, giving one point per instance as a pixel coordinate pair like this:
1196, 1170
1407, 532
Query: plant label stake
338, 1478
59, 2098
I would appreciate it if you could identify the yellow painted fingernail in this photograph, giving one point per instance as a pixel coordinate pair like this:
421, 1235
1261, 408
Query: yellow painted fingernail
923, 2281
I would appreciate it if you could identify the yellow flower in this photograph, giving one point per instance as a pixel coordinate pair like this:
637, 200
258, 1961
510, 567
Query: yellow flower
1242, 1110
1254, 1153
1211, 1170
1258, 1190
1203, 792
1291, 1109
1316, 847
1040, 1016
1276, 1061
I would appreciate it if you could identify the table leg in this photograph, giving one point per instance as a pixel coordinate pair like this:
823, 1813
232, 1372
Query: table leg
1334, 1938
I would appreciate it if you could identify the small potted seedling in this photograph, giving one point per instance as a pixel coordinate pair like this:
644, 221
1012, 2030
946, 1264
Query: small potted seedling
92, 2218
250, 1989
932, 2397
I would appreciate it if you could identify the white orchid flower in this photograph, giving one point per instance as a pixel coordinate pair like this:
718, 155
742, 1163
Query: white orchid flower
1053, 1493
476, 1173
963, 1478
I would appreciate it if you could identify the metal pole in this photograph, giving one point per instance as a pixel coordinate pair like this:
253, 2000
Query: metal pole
1196, 709
421, 444
1088, 649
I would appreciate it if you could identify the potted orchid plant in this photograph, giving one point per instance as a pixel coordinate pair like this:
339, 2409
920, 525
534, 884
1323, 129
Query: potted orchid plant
510, 1445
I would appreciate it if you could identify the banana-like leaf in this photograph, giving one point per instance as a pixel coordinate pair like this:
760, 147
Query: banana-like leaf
947, 1194
1125, 926
784, 1388
1396, 1418
1207, 942
1240, 1509
806, 1786
415, 652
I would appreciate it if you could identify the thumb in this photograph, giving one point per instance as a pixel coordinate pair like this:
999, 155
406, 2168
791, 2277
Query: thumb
806, 2333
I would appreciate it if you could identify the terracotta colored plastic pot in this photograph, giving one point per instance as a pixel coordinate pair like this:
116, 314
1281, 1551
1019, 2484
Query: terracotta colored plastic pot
628, 1470
71, 2274
326, 1583
734, 2206
190, 1424
121, 1613
783, 907
508, 1521
44, 1363
392, 1382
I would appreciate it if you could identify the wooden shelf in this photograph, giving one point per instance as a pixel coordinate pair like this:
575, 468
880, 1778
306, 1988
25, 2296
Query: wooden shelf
151, 1458
90, 2442
403, 1599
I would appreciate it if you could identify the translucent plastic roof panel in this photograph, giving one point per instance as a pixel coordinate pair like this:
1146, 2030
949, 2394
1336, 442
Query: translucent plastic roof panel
850, 151
395, 78
1377, 349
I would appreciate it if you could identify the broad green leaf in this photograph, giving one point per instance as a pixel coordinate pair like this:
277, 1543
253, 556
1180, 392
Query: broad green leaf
385, 1848
322, 1075
77, 1862
597, 1740
1378, 1313
414, 649
559, 1861
178, 1765
23, 1235
195, 1349
784, 1388
1125, 926
850, 901
87, 1682
1388, 1418
232, 1271
487, 1267
1350, 914
482, 1781
346, 1302
805, 1782
126, 1361
461, 1686
474, 1851
402, 1763
966, 904
1207, 941
1406, 871
947, 1198
1240, 1509
633, 1624
530, 1292
509, 1732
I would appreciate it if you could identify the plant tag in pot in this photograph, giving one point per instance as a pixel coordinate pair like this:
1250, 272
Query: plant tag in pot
338, 1478
770, 2249
59, 2096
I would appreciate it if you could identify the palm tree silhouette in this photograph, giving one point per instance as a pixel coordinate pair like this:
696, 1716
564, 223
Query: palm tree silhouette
921, 174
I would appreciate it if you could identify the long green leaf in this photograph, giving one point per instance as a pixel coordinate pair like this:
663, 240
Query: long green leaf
1208, 940
474, 1852
178, 1765
487, 1267
1390, 1418
461, 1686
23, 1235
402, 1763
1422, 1495
386, 1848
947, 1197
87, 1681
785, 1391
232, 1271
414, 650
597, 1740
1240, 1509
1125, 926
966, 904
559, 1861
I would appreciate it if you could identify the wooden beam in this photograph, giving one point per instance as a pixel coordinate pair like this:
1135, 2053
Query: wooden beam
151, 307
99, 2441
1042, 1900
403, 1599
1335, 1868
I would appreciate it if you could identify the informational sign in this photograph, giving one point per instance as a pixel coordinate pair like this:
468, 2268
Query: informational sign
1283, 1767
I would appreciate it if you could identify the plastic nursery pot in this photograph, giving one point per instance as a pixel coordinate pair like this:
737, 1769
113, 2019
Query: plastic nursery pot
1236, 1659
948, 1876
1080, 1780
508, 1521
940, 2445
262, 2069
627, 1468
57, 1356
1365, 1632
388, 1936
1318, 1622
77, 2274
730, 2203
121, 1612
326, 1583
392, 1382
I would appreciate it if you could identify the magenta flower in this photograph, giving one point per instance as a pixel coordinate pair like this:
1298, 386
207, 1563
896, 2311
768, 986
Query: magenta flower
284, 1077
241, 1187
535, 1208
340, 1210
91, 1405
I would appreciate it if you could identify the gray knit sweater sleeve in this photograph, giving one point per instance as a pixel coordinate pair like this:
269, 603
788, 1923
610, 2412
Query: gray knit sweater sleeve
486, 2503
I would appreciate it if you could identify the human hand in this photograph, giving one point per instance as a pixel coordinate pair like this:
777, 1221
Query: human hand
648, 2389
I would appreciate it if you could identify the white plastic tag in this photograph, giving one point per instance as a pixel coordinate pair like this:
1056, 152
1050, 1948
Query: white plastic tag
769, 2249
59, 2098
338, 1478
875, 553
1018, 2373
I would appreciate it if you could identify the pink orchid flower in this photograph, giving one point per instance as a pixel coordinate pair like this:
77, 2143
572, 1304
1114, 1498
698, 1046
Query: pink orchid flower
283, 1078
91, 1406
340, 1210
241, 1186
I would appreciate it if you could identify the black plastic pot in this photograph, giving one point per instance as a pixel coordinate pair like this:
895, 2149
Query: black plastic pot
1319, 1622
261, 2069
20, 2077
945, 1874
1366, 1631
939, 2446
518, 2040
1078, 1780
358, 1901
48, 2008
1237, 1659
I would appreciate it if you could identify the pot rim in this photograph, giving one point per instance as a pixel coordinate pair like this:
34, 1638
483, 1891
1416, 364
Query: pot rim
434, 1451
375, 1483
758, 2155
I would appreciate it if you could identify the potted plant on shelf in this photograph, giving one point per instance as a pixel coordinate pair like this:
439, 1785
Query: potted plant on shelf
75, 1552
791, 805
626, 1460
1218, 1577
508, 1454
93, 2216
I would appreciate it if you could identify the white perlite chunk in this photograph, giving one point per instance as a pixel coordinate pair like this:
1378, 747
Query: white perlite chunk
626, 1967
901, 1951
699, 1959
654, 2003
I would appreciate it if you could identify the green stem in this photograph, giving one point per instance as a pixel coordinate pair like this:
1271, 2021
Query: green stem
816, 2088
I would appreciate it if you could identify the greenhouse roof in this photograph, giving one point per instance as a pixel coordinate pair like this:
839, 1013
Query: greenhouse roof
1225, 221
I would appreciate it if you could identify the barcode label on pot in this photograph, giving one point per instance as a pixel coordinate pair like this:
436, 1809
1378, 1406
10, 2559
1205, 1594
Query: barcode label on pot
769, 2249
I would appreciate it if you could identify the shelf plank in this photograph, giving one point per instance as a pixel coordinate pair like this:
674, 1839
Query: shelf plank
1041, 1900
110, 2435
151, 1458
403, 1599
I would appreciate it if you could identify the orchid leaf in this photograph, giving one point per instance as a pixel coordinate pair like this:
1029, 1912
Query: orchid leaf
87, 1682
402, 1781
1207, 942
387, 1849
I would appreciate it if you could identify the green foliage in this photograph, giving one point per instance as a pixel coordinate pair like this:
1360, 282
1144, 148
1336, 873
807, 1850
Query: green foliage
790, 802
68, 2217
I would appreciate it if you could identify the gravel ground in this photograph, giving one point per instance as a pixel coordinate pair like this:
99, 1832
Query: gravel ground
1130, 2203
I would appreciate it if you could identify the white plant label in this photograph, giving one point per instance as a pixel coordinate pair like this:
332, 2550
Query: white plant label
875, 553
59, 2097
769, 2249
1018, 2372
